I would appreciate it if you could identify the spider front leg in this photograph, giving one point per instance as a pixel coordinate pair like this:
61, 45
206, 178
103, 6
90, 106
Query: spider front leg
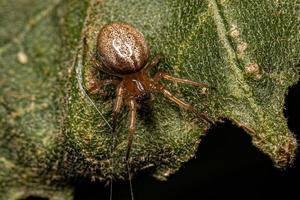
162, 75
183, 104
132, 124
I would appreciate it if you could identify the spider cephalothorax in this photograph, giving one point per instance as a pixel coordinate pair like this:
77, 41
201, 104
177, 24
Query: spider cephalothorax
123, 52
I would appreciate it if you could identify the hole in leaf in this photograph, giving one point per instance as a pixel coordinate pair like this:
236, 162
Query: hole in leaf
291, 111
35, 198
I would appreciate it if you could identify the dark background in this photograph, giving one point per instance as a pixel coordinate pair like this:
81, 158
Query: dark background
227, 166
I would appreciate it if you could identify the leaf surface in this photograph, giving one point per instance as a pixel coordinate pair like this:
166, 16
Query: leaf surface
33, 72
53, 131
248, 51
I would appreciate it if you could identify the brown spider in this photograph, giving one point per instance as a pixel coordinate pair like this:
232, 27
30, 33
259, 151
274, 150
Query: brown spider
122, 51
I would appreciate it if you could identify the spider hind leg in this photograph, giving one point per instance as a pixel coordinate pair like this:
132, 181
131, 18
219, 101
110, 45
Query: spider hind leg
118, 105
132, 124
96, 86
153, 63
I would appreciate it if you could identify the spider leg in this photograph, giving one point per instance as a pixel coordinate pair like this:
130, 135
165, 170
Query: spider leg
95, 86
94, 60
153, 63
162, 75
132, 124
118, 105
184, 104
89, 52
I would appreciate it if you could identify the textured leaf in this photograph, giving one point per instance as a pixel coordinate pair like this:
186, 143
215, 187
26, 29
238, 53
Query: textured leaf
31, 96
246, 50
52, 132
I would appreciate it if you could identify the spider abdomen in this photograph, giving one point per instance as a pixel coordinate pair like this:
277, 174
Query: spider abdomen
122, 49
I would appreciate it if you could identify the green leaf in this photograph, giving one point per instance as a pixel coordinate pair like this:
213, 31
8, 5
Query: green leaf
51, 129
246, 50
32, 79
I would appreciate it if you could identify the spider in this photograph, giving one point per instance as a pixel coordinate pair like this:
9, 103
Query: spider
123, 52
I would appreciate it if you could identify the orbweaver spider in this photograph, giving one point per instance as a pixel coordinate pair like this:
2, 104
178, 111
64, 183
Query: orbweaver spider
123, 52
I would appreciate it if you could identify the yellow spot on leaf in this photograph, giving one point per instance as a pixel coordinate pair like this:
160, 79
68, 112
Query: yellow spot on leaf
22, 58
